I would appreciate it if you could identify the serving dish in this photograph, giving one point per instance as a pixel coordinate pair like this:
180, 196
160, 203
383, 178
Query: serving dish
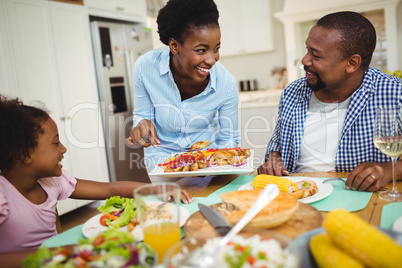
209, 171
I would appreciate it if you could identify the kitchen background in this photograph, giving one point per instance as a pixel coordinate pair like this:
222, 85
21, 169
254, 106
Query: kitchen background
48, 53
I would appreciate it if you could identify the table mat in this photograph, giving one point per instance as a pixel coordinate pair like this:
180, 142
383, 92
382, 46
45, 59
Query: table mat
193, 206
389, 214
340, 197
68, 237
73, 235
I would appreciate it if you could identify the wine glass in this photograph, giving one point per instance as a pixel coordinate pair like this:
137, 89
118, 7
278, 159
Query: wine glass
388, 139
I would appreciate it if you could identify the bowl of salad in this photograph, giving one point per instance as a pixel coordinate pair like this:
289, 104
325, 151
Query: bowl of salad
112, 248
251, 248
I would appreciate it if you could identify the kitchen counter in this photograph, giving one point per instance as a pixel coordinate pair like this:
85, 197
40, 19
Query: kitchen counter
260, 98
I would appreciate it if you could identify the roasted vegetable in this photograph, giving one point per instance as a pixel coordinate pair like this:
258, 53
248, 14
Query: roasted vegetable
285, 185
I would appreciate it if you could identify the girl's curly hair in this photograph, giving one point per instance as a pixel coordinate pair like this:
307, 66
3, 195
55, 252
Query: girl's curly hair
20, 127
178, 17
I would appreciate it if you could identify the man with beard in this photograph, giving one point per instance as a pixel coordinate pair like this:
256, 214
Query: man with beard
326, 119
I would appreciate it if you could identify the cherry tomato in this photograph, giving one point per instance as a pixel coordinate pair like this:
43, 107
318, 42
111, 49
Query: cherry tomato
65, 252
99, 240
102, 220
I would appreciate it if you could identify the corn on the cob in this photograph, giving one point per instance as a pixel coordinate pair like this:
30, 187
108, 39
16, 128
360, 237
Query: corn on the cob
326, 254
361, 240
285, 185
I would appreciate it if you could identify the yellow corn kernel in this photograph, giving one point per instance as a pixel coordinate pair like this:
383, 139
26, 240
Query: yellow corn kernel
285, 185
326, 254
359, 239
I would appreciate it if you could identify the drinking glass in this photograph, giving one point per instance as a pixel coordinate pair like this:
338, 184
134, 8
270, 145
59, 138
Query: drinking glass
158, 208
388, 139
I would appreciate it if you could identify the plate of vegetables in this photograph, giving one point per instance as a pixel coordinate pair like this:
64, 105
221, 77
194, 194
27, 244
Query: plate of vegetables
206, 163
112, 248
120, 213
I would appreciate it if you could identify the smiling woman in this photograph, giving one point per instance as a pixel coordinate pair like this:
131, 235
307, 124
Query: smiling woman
185, 95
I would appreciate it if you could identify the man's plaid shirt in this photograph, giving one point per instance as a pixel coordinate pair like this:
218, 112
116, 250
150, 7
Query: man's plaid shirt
356, 144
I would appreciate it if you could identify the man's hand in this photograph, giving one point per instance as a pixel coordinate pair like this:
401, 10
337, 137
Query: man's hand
273, 165
369, 176
143, 134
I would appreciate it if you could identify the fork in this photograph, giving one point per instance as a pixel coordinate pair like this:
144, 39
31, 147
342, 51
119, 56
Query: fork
340, 179
187, 149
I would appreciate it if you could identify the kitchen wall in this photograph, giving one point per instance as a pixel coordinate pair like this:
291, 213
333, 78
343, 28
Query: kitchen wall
259, 65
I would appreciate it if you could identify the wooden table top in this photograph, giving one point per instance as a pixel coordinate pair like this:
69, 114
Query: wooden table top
204, 186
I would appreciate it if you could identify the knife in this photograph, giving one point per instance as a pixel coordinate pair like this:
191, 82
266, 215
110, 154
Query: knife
221, 226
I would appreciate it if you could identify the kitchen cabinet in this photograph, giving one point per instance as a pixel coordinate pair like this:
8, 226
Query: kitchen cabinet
258, 111
50, 60
246, 28
130, 10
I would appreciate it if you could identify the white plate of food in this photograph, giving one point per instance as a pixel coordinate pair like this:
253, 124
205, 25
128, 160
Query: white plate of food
244, 167
92, 227
323, 190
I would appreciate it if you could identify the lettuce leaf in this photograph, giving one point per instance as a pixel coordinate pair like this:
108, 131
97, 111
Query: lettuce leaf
117, 203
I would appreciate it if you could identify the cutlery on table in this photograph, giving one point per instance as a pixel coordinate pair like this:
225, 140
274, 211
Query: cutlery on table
221, 226
340, 179
206, 258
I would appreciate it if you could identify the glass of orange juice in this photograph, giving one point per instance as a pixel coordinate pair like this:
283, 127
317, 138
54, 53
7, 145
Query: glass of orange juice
158, 208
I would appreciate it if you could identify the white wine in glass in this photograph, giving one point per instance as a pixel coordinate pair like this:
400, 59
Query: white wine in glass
388, 139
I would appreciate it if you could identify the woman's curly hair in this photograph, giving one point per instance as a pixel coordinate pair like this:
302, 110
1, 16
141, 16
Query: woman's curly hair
20, 127
178, 17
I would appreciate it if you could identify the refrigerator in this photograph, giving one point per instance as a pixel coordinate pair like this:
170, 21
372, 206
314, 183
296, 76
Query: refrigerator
116, 47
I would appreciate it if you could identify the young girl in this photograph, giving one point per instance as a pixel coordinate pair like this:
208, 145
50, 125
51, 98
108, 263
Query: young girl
32, 179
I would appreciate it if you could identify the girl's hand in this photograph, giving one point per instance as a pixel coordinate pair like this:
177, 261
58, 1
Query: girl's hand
186, 197
144, 134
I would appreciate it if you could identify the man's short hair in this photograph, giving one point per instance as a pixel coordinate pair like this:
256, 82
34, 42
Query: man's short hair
358, 34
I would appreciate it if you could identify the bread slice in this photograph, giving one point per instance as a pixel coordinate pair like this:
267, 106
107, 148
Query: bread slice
236, 204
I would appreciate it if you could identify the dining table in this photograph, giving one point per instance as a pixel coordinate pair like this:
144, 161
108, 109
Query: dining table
206, 189
204, 186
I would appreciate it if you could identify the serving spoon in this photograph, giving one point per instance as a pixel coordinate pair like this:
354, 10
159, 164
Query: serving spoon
206, 258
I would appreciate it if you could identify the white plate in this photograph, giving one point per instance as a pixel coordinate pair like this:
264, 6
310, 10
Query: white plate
216, 170
324, 190
397, 226
92, 227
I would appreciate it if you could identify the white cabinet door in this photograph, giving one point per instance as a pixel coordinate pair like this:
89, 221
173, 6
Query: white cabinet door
101, 4
33, 53
51, 52
130, 10
78, 91
246, 26
257, 126
135, 7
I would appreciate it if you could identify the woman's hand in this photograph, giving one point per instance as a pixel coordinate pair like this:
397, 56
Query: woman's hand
143, 134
